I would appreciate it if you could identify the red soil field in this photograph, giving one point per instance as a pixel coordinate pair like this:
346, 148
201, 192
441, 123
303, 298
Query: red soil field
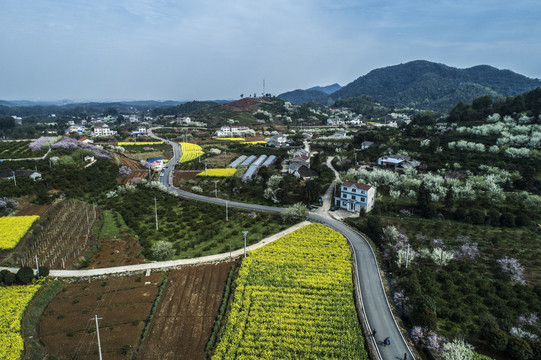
182, 324
67, 325
116, 252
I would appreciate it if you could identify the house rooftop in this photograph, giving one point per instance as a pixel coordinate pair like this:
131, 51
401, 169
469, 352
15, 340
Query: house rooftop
357, 185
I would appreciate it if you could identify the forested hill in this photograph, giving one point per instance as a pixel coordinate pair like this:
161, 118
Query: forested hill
303, 96
319, 94
427, 85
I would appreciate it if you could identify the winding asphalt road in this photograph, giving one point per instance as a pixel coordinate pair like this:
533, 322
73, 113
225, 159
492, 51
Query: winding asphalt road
371, 296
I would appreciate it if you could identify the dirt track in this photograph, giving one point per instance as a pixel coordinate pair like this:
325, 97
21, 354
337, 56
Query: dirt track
185, 316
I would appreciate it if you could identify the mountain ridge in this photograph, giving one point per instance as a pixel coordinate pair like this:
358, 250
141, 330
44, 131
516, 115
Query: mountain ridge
422, 84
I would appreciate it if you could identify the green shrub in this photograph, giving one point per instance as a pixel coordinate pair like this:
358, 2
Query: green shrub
519, 349
497, 339
25, 275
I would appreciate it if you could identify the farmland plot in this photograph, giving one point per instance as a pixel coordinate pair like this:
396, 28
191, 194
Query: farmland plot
64, 236
13, 301
185, 316
294, 299
67, 327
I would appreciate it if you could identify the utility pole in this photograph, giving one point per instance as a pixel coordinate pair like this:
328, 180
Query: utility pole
156, 210
98, 333
205, 169
226, 212
37, 266
245, 233
215, 188
14, 178
407, 255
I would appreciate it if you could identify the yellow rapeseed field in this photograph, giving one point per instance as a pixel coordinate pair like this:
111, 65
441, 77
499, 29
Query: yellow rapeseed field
140, 143
231, 139
189, 152
294, 300
13, 302
222, 172
13, 228
254, 142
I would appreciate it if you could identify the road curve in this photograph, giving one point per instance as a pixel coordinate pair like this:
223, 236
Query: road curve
373, 299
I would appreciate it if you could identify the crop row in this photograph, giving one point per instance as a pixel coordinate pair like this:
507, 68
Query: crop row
15, 149
294, 299
13, 302
13, 228
190, 152
221, 172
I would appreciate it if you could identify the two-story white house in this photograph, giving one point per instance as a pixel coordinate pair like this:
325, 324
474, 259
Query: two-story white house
355, 196
103, 130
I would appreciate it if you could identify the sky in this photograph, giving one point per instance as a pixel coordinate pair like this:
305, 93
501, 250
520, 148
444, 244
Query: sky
181, 50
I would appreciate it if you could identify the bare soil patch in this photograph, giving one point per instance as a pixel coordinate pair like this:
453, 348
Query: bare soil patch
180, 177
131, 163
246, 104
141, 174
67, 326
32, 209
182, 324
116, 252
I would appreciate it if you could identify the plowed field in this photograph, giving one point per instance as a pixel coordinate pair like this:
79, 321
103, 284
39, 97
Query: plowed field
123, 304
185, 316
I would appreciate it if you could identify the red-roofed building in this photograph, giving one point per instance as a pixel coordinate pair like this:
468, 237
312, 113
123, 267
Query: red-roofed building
355, 196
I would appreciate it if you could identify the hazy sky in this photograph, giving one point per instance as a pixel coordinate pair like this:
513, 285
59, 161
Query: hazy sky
207, 49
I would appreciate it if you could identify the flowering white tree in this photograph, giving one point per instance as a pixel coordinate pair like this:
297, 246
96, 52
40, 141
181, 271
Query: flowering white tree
426, 338
401, 300
440, 256
512, 267
457, 350
271, 192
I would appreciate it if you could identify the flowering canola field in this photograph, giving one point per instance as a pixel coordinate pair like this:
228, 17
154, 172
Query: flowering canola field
13, 228
254, 142
13, 302
294, 300
140, 143
221, 172
231, 139
189, 152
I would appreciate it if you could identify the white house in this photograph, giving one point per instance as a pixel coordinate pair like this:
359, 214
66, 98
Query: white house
397, 162
357, 121
335, 122
103, 130
232, 131
354, 197
277, 140
184, 120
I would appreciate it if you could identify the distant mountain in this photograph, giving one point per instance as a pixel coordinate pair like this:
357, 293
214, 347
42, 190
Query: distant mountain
319, 94
303, 96
329, 89
426, 85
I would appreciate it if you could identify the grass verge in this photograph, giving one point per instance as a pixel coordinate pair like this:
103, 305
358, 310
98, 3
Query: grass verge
221, 313
33, 349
